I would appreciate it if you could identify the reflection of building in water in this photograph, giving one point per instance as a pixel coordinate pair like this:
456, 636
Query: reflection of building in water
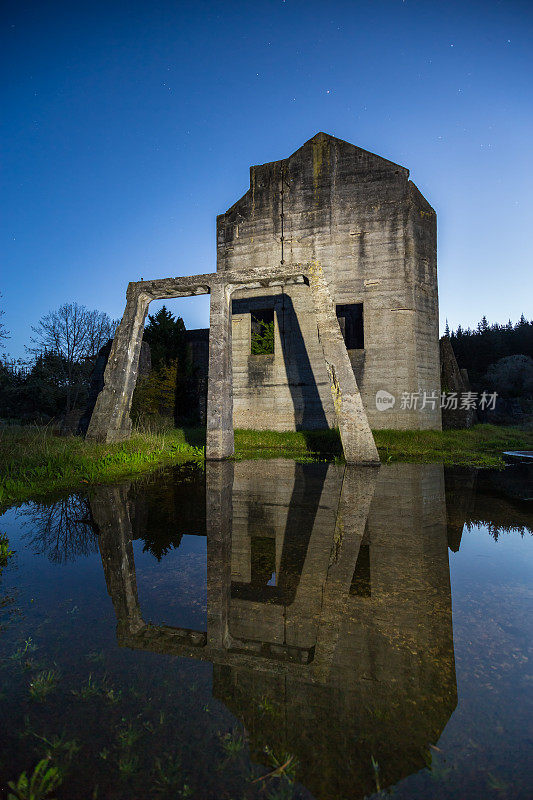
373, 606
460, 483
284, 517
329, 613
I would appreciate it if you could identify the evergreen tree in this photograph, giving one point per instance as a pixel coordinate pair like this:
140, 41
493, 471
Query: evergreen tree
166, 336
155, 395
3, 331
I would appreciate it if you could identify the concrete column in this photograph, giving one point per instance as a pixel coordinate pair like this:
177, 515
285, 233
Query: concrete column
110, 421
357, 440
109, 509
357, 492
219, 521
219, 441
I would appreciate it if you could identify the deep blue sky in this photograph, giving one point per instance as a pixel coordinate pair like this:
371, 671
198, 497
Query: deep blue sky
127, 126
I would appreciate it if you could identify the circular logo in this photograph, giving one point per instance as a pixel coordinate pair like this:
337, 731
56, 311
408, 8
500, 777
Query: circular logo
384, 400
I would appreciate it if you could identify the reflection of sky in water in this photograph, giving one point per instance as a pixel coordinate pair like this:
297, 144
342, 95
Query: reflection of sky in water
485, 747
173, 591
393, 638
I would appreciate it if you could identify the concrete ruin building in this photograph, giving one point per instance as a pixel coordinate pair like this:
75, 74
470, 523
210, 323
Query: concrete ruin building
359, 216
329, 261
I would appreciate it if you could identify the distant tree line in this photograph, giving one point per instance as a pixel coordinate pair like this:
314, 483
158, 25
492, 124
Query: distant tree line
62, 352
497, 357
63, 349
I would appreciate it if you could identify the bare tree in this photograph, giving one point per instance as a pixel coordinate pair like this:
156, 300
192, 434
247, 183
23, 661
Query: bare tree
74, 334
3, 332
63, 530
100, 328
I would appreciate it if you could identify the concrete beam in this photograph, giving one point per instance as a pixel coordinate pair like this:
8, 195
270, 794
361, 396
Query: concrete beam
186, 286
357, 440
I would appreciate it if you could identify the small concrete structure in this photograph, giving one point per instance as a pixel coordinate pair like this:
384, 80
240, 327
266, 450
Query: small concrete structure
336, 249
111, 419
454, 379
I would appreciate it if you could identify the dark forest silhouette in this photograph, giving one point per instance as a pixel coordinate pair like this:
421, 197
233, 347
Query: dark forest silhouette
490, 353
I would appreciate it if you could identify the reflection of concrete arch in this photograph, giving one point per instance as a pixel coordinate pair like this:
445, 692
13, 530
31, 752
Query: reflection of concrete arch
282, 505
348, 676
110, 419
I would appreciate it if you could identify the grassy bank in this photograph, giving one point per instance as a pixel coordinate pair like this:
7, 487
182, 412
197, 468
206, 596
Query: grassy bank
34, 461
480, 446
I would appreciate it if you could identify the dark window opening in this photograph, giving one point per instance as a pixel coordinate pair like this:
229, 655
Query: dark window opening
351, 324
262, 342
361, 584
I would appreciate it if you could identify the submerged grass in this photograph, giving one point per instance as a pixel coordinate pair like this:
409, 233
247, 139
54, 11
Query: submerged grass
35, 461
39, 785
43, 684
5, 551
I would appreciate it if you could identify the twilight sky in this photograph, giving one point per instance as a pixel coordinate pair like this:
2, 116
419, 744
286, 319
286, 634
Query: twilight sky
127, 126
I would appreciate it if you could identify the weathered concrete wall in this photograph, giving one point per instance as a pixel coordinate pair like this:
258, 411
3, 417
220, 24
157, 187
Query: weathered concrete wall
360, 217
421, 254
290, 389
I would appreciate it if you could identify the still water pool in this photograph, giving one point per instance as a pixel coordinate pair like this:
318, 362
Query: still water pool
271, 629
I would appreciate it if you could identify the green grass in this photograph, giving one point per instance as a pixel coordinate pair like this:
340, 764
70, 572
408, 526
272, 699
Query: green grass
34, 461
232, 743
480, 446
291, 444
43, 684
5, 550
39, 785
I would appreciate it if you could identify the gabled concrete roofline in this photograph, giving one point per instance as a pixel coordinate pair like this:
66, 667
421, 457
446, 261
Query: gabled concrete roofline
323, 135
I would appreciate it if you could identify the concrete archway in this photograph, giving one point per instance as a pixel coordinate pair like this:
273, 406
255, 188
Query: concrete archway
110, 419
